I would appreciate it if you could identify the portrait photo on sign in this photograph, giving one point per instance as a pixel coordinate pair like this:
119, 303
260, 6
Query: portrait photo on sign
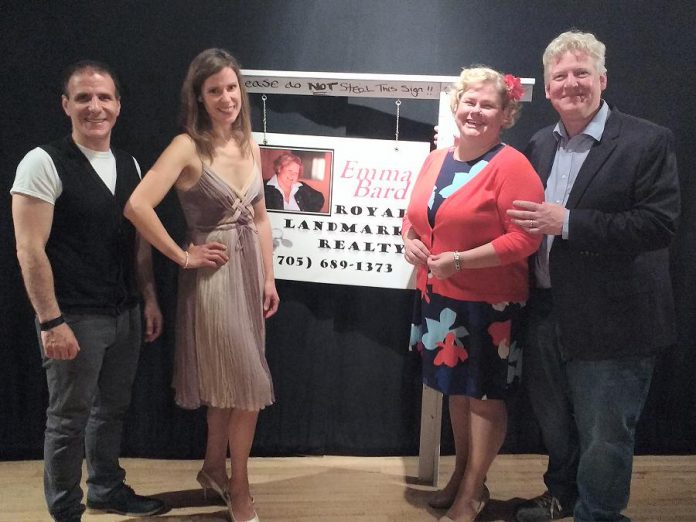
297, 180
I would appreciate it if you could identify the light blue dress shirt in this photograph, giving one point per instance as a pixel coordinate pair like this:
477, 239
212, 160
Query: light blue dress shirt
570, 155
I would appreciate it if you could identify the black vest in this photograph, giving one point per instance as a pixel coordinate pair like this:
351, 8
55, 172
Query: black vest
92, 246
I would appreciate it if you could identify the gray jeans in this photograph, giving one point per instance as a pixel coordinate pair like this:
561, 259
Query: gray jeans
88, 399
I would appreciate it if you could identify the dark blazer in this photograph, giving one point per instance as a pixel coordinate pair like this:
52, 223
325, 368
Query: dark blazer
610, 280
308, 199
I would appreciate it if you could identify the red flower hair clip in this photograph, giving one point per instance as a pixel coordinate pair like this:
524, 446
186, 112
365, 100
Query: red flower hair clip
514, 87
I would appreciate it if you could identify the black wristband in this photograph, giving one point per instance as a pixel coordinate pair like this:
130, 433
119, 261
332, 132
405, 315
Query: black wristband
47, 325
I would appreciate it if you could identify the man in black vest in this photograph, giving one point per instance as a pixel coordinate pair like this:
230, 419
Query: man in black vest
83, 265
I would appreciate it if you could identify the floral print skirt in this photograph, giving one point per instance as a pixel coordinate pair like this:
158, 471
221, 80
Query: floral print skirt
468, 348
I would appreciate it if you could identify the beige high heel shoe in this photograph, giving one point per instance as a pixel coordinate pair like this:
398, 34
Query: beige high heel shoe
437, 502
485, 497
228, 501
209, 483
255, 519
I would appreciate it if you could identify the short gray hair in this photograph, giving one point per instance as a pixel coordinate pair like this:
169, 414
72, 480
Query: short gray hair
575, 41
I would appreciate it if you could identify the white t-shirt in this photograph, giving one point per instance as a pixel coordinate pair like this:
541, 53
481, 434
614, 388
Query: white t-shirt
37, 175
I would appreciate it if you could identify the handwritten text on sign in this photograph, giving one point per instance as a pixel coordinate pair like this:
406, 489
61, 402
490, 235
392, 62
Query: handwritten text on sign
324, 87
361, 85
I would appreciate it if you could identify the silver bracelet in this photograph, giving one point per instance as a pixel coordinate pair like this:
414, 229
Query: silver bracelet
457, 261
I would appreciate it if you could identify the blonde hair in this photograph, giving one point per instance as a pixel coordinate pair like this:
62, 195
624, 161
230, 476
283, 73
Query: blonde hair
481, 74
286, 158
575, 42
195, 118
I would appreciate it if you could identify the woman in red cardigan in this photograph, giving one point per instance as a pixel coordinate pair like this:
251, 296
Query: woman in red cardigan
472, 276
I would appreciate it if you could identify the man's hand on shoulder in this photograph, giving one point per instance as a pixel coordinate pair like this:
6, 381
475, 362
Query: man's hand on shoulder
60, 342
538, 218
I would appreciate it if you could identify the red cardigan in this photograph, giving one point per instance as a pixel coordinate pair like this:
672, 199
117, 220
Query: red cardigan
473, 216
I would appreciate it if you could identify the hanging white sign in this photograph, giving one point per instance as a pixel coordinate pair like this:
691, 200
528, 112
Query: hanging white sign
336, 206
360, 85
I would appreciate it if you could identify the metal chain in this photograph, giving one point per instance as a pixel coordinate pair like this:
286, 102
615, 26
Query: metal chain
263, 100
396, 133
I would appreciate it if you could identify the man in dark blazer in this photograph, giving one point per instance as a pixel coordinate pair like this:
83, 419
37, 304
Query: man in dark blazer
601, 305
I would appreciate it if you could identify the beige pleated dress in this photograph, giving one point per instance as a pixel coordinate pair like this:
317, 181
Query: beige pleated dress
220, 333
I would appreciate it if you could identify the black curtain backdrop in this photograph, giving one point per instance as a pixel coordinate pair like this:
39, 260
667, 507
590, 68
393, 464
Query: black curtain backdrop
344, 380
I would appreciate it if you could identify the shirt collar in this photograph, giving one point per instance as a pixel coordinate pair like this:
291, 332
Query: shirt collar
594, 129
273, 182
91, 153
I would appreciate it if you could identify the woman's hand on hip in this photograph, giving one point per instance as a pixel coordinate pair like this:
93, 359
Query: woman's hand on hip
212, 255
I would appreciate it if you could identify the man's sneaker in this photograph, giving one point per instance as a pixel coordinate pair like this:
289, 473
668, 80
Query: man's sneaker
124, 501
541, 509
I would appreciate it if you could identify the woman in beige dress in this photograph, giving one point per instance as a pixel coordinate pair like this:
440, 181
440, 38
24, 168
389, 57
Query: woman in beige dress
226, 283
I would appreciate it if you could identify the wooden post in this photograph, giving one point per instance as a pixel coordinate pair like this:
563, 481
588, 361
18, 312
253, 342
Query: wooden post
431, 426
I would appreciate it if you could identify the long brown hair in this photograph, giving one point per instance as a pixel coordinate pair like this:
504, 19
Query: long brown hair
195, 118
